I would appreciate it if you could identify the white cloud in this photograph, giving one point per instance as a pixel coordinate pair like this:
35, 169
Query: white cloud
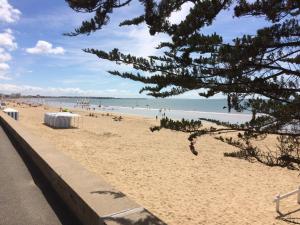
51, 91
8, 14
7, 40
4, 56
134, 40
142, 43
177, 17
7, 43
4, 66
44, 47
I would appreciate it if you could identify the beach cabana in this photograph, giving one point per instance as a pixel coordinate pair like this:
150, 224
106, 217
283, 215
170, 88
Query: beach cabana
61, 120
2, 105
12, 113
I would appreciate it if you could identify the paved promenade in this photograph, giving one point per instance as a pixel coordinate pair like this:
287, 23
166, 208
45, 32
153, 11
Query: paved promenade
25, 198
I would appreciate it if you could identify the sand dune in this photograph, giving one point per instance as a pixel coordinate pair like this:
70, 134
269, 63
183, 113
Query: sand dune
158, 171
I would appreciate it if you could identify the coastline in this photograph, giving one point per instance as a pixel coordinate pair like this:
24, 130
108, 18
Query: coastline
176, 114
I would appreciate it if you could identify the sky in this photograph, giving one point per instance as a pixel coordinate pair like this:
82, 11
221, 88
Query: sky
36, 58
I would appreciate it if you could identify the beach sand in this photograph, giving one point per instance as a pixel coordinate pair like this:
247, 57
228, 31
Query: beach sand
157, 170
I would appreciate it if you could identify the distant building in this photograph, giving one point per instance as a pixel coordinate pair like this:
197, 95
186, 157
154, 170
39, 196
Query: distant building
15, 95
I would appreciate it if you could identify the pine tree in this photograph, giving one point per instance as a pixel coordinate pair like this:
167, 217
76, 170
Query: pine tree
258, 73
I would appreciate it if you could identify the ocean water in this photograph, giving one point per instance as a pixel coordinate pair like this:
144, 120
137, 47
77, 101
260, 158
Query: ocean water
172, 108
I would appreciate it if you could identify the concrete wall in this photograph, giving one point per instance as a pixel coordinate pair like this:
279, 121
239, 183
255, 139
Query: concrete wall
88, 196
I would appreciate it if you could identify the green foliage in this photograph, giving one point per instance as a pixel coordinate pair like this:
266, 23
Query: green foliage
258, 73
287, 156
101, 8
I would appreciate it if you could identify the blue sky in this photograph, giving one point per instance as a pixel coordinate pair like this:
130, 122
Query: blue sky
35, 58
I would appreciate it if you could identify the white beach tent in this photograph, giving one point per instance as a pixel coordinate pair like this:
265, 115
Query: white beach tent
61, 120
12, 112
2, 105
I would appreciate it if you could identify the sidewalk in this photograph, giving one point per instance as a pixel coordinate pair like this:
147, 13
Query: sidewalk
22, 202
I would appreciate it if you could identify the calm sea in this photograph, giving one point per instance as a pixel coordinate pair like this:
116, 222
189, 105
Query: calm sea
173, 108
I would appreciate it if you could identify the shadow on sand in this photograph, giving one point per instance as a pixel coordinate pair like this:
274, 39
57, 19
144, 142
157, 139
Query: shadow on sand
288, 217
58, 128
146, 220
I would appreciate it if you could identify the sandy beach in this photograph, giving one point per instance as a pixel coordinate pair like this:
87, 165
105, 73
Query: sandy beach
157, 170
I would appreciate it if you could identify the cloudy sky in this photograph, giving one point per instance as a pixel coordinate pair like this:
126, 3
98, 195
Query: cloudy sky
35, 58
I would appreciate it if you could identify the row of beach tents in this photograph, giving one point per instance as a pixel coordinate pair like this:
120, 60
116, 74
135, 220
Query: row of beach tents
55, 120
61, 120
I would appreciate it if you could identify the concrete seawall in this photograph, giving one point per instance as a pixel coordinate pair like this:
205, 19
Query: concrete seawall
89, 197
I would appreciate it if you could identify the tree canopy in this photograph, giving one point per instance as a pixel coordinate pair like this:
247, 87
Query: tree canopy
258, 73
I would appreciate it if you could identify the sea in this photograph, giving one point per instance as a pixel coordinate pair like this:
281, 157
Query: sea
154, 108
